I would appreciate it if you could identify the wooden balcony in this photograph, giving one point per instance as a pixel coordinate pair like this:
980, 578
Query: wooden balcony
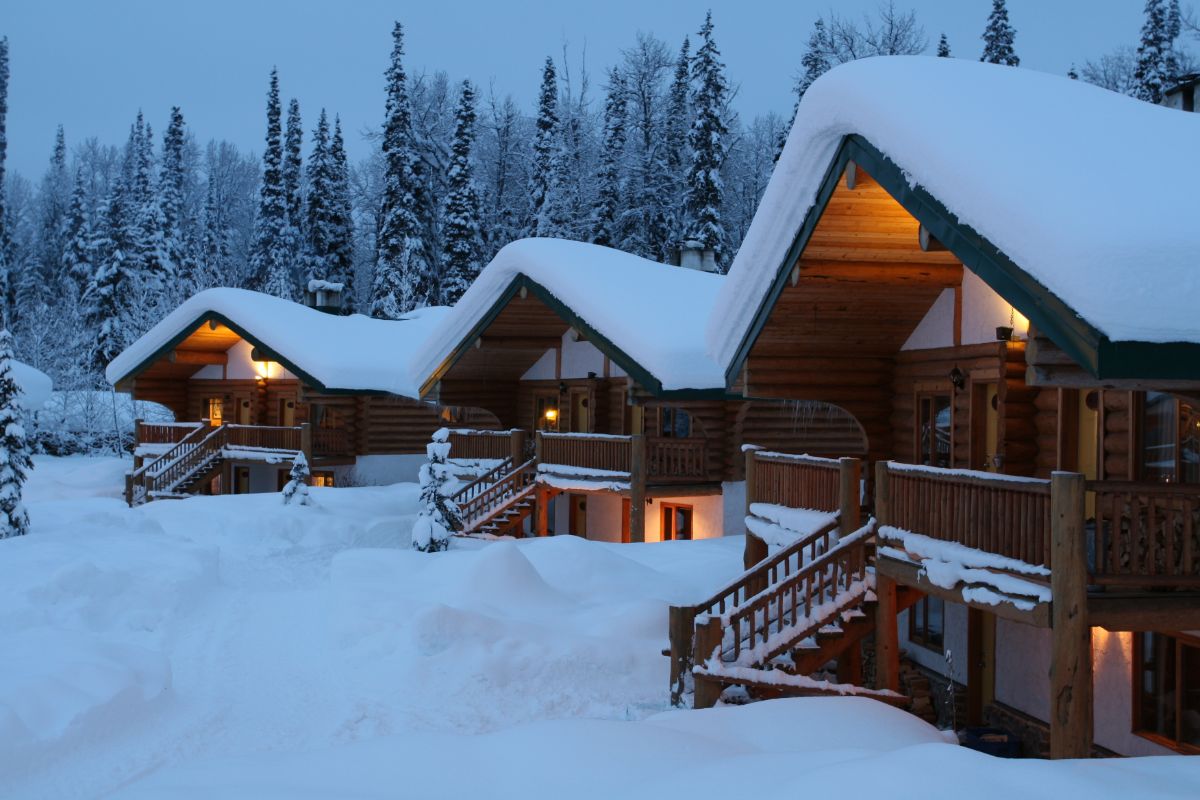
471, 444
666, 460
163, 432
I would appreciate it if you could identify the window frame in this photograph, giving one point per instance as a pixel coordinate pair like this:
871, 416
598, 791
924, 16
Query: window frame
673, 508
921, 398
1181, 419
668, 421
919, 635
1182, 640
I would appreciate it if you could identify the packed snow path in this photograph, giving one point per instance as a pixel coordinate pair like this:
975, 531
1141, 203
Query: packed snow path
230, 647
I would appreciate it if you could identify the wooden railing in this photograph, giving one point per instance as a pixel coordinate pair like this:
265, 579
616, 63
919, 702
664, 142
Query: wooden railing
993, 513
466, 494
677, 459
589, 451
1145, 535
792, 608
467, 443
498, 494
136, 481
795, 481
171, 473
782, 565
164, 432
264, 437
332, 442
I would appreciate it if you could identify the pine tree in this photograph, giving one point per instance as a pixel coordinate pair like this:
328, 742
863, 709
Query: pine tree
110, 295
295, 491
269, 261
341, 222
6, 287
78, 267
54, 201
15, 459
402, 272
943, 48
461, 236
318, 211
608, 208
707, 141
546, 145
1157, 62
155, 269
439, 515
1072, 73
293, 195
998, 37
171, 203
678, 112
215, 248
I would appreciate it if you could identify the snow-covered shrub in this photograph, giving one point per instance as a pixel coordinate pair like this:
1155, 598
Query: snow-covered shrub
15, 461
296, 489
439, 516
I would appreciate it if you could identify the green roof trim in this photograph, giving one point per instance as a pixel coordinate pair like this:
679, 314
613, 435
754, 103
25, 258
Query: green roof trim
1090, 348
631, 366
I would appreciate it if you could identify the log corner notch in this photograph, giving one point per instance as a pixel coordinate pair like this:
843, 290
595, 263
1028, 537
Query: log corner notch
1071, 647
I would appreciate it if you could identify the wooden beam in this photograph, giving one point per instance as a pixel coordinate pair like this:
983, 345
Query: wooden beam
1175, 611
518, 342
1075, 377
907, 573
1071, 642
198, 357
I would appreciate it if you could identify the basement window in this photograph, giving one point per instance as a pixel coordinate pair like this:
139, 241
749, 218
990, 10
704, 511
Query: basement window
676, 521
1167, 690
927, 623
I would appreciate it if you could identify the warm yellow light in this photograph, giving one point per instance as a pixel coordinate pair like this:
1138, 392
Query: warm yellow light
263, 368
551, 414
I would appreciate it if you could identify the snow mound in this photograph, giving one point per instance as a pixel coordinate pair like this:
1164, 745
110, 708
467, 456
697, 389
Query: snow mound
36, 385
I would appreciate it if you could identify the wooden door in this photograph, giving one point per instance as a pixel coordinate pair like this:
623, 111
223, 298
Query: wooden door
287, 412
577, 522
243, 416
985, 427
580, 412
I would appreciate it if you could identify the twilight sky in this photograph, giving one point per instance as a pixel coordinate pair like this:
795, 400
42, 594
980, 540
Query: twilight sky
91, 65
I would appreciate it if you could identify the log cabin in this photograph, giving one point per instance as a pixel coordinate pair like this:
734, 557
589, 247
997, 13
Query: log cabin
1003, 294
631, 434
253, 379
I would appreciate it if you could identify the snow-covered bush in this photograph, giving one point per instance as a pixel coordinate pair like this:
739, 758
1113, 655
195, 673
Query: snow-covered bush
439, 516
296, 489
15, 461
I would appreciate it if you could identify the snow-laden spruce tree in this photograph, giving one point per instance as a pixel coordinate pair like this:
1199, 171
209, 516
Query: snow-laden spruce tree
943, 48
608, 205
545, 145
295, 491
171, 187
460, 221
292, 173
998, 37
341, 221
78, 263
402, 270
269, 259
438, 516
1157, 61
15, 461
707, 141
5, 278
318, 211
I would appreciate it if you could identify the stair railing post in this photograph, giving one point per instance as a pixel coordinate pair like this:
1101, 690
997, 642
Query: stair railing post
708, 639
754, 549
681, 629
849, 495
517, 444
306, 442
887, 635
637, 487
129, 489
1071, 636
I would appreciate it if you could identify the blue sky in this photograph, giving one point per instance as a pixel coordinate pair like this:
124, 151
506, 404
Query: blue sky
92, 65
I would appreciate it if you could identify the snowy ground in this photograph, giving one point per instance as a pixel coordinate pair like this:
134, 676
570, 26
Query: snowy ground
229, 647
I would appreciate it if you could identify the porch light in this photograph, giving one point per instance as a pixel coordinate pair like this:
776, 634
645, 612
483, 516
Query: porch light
263, 370
551, 415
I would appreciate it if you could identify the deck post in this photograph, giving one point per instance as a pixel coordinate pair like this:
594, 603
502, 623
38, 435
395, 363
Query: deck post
637, 487
1071, 647
754, 549
137, 432
541, 525
681, 629
306, 444
517, 442
887, 636
129, 488
849, 494
708, 638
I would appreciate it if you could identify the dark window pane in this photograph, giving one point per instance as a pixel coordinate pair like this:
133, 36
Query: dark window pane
1160, 422
1189, 691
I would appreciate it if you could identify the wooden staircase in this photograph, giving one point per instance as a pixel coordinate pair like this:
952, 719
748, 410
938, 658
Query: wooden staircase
497, 502
797, 613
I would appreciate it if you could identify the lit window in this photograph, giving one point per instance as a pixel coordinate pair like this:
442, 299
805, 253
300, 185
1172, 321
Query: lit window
322, 479
1170, 439
216, 410
676, 522
1167, 689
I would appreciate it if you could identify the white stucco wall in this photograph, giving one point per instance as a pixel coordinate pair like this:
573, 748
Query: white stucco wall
240, 367
733, 512
578, 359
604, 516
982, 312
383, 469
1023, 675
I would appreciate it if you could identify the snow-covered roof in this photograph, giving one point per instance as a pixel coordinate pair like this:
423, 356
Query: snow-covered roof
36, 385
353, 353
1088, 192
651, 312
